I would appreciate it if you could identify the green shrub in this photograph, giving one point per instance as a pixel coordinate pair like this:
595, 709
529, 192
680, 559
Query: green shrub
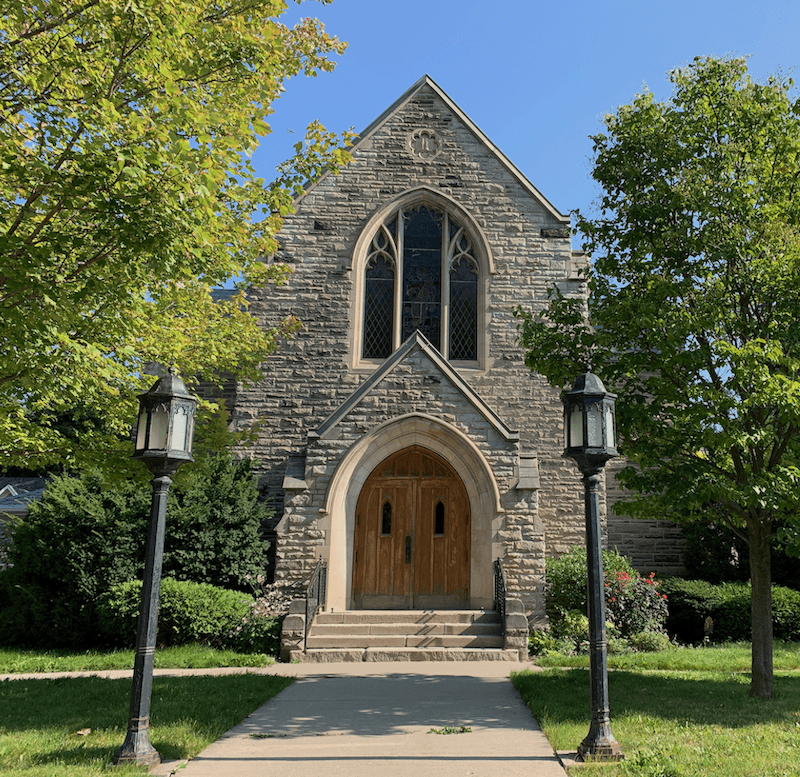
188, 613
77, 542
214, 527
617, 645
567, 575
541, 642
573, 626
86, 535
786, 613
255, 634
692, 602
650, 642
633, 603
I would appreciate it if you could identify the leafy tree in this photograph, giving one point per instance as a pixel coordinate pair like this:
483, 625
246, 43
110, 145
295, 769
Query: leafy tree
126, 194
694, 296
87, 535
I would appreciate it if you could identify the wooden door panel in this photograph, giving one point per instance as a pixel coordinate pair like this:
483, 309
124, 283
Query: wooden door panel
436, 574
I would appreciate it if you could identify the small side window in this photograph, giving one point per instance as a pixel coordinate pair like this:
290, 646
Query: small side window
386, 519
439, 520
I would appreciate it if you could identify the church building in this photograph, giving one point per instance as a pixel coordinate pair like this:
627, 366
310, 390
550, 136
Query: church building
402, 439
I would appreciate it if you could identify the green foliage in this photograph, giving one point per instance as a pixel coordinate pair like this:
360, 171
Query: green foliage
126, 194
716, 553
650, 642
633, 603
694, 290
214, 523
188, 612
77, 542
191, 613
567, 578
692, 602
86, 536
541, 642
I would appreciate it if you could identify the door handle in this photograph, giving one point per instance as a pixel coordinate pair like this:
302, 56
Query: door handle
408, 548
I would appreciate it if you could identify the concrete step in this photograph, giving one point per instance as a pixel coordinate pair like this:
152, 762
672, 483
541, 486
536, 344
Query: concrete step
347, 642
324, 629
405, 635
323, 655
408, 616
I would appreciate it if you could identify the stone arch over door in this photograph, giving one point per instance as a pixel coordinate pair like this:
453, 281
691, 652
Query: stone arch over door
418, 429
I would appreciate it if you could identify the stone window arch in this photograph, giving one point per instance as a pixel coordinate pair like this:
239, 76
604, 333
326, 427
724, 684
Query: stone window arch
424, 266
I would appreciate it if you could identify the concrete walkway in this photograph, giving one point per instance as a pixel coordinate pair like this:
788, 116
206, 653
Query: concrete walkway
367, 719
359, 719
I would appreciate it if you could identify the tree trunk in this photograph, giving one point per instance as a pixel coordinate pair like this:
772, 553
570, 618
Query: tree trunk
759, 536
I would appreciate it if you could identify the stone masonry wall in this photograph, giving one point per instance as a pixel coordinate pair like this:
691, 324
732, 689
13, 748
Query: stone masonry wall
653, 546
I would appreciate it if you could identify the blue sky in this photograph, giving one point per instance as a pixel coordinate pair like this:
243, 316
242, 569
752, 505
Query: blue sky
537, 77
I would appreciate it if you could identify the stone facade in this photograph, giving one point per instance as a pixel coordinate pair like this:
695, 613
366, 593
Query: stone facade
328, 417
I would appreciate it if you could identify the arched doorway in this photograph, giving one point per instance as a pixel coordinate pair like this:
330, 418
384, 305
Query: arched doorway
411, 547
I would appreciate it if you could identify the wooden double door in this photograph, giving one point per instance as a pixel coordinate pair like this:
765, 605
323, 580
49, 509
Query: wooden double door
412, 535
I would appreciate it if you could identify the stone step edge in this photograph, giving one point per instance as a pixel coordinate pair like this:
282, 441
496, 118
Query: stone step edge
409, 629
408, 616
396, 643
333, 655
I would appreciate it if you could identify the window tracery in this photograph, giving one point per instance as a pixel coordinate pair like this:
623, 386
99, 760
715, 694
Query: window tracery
421, 273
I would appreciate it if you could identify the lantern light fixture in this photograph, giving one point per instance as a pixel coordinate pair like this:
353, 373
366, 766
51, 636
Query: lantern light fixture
590, 421
166, 423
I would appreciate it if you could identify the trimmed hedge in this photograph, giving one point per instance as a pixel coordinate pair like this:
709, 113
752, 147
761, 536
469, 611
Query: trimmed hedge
188, 613
728, 605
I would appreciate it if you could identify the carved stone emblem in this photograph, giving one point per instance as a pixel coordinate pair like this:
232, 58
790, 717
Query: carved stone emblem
424, 144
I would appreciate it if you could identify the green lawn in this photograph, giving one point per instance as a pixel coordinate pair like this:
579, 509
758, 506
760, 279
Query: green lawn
678, 723
184, 657
72, 726
730, 657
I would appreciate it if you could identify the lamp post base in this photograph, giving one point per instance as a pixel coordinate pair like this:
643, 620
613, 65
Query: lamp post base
600, 746
136, 749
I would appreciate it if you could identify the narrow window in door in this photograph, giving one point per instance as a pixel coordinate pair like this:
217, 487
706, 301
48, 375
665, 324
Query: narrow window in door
439, 522
386, 519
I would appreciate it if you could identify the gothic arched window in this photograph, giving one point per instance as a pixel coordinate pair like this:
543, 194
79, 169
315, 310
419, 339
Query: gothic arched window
421, 273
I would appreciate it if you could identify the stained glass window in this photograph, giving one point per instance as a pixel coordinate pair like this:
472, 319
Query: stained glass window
422, 275
463, 311
379, 295
431, 257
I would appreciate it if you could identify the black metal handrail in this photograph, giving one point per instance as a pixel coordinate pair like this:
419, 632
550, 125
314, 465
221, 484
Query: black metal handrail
315, 594
500, 592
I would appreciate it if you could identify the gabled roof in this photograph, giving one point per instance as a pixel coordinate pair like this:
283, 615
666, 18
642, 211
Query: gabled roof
17, 493
409, 95
417, 341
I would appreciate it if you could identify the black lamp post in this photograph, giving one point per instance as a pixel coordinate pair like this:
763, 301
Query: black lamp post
590, 439
163, 442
